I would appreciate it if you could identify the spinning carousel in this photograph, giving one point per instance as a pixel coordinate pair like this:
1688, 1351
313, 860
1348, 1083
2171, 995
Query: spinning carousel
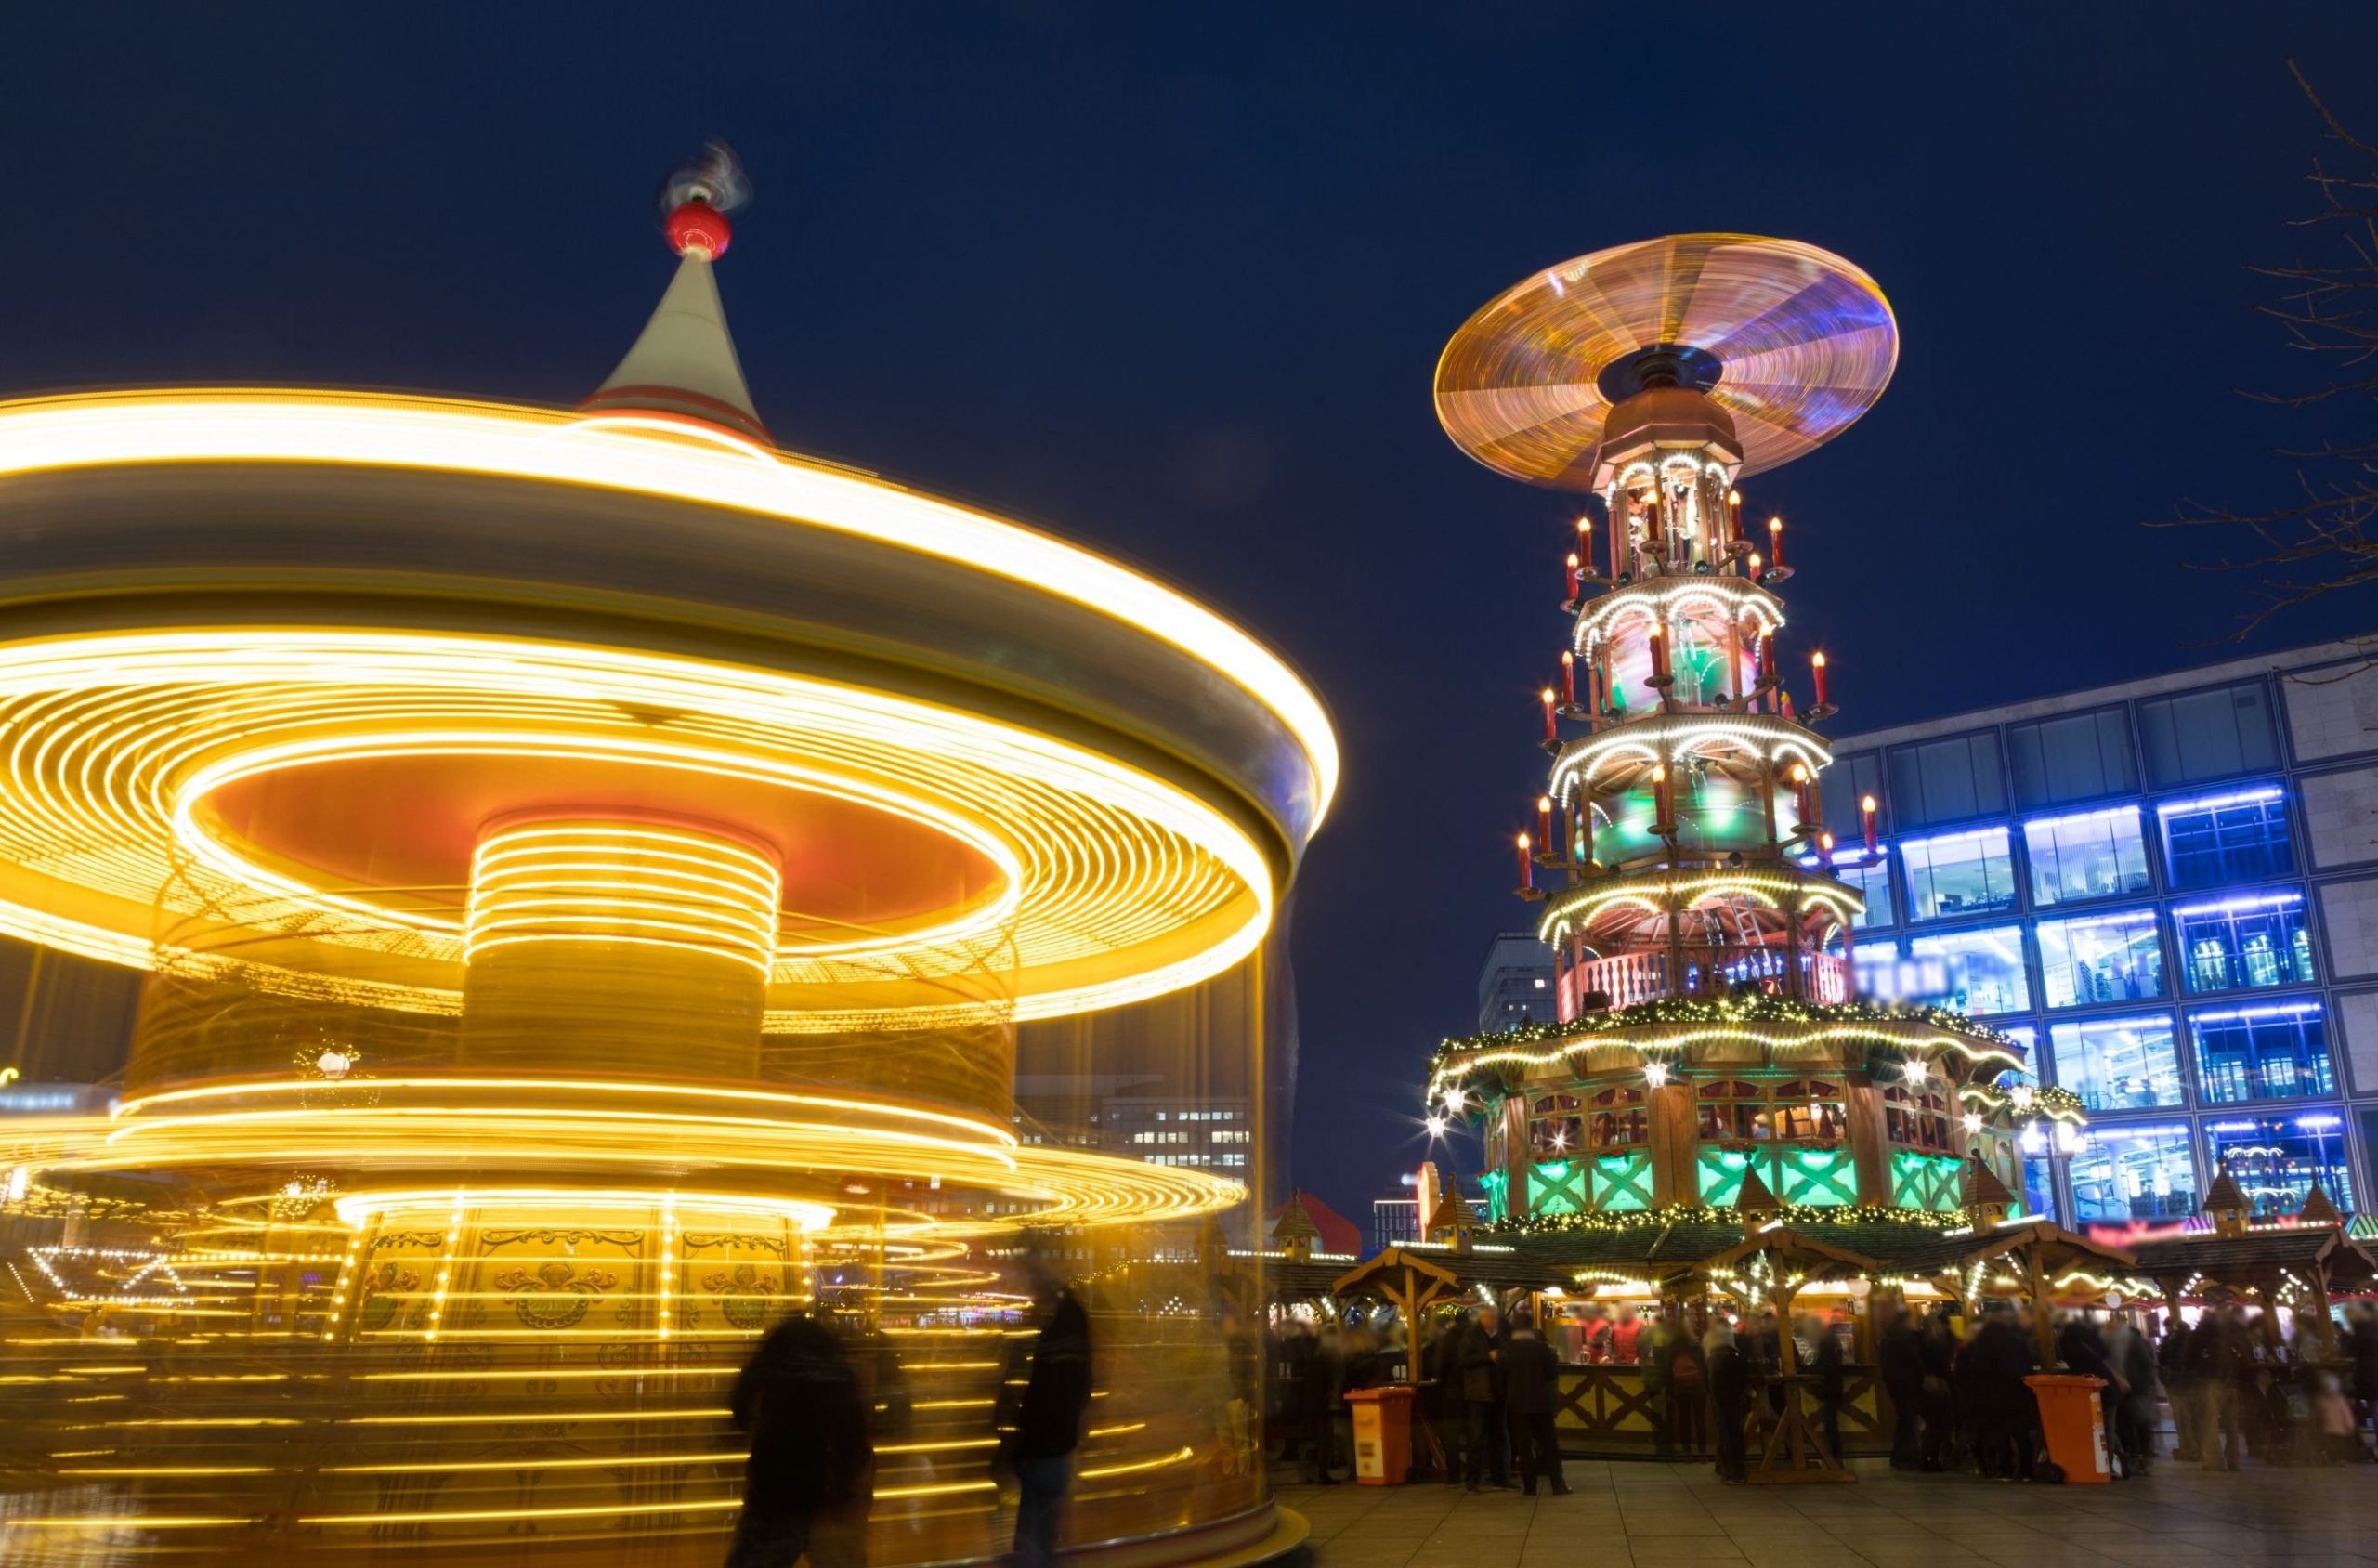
590, 865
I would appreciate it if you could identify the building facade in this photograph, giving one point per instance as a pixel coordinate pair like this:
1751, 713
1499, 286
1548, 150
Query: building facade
1517, 985
2168, 889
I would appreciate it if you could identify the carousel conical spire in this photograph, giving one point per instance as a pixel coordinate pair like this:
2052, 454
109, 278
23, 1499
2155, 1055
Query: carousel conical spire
684, 363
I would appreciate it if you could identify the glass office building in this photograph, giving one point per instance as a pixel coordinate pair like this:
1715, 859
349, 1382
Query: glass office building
2168, 891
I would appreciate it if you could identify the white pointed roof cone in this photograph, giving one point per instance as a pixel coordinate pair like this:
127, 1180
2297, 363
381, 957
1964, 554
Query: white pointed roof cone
684, 363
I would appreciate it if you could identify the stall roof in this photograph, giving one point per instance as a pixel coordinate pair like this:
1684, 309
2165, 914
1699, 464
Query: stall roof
2254, 1255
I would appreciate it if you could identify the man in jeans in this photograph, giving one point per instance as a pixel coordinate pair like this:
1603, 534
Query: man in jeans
1047, 1389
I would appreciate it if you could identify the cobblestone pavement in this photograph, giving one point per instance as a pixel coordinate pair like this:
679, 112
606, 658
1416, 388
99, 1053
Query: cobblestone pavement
1672, 1516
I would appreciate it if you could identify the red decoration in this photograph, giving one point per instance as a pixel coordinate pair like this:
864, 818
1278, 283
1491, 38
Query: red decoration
699, 228
1585, 543
1866, 812
1552, 726
1816, 664
1528, 867
1568, 678
1775, 539
1575, 590
1544, 819
1733, 516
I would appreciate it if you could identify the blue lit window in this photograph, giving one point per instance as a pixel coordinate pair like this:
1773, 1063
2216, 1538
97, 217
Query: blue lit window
2222, 838
2278, 1051
1872, 882
2118, 1064
2274, 1159
2092, 958
2251, 941
2126, 1173
1959, 874
1981, 972
2090, 854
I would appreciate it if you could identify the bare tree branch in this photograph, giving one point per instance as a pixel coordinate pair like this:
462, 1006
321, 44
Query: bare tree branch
2327, 540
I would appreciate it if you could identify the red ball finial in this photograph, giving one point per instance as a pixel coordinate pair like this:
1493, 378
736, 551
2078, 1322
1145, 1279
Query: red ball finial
698, 228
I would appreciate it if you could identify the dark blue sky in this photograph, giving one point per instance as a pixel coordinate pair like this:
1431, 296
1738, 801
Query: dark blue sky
1174, 280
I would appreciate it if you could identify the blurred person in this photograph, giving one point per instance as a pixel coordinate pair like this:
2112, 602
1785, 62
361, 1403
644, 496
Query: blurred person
1531, 1393
2179, 1385
1652, 1346
1936, 1351
1729, 1384
2361, 1350
1360, 1367
2220, 1365
1687, 1390
1625, 1330
2081, 1346
1825, 1366
1764, 1353
2009, 1414
798, 1399
1041, 1405
1901, 1366
1598, 1335
2134, 1367
1444, 1370
1323, 1399
2335, 1429
1483, 1416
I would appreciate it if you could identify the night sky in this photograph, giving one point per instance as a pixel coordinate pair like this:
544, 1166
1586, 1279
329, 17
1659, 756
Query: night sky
1174, 284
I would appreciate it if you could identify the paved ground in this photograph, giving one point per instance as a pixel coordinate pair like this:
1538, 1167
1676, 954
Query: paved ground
1672, 1516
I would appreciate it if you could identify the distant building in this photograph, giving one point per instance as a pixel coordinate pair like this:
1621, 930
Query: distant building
1516, 987
1394, 1221
1131, 1114
2167, 889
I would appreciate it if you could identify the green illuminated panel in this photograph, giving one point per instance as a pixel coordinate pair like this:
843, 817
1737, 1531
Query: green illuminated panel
1498, 1199
1821, 1177
1922, 1181
1722, 1175
1557, 1187
1622, 1183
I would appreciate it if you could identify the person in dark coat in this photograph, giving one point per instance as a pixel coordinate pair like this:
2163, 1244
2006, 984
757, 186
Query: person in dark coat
2361, 1348
2002, 1357
1936, 1351
1765, 1352
1483, 1420
1730, 1382
1531, 1386
1825, 1366
2081, 1346
1901, 1369
1046, 1392
1445, 1369
799, 1401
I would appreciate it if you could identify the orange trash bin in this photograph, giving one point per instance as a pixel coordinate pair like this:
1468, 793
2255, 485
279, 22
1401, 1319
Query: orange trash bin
1382, 1433
2076, 1424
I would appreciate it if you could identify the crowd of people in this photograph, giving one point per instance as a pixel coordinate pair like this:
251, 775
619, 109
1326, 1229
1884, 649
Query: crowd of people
2234, 1385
